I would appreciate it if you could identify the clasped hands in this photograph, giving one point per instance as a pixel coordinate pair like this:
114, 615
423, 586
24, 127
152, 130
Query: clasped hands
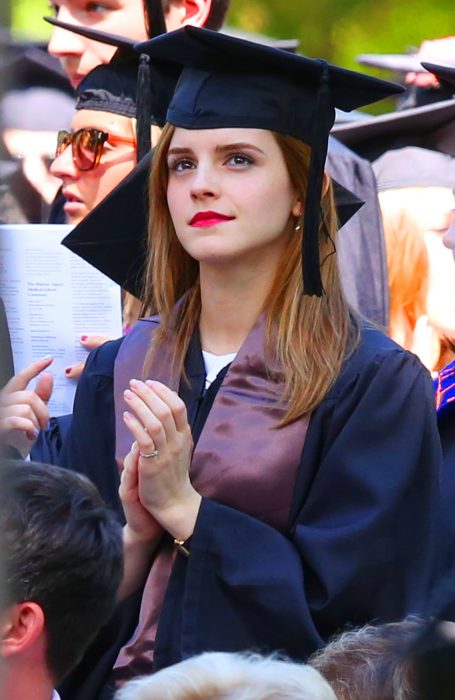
156, 492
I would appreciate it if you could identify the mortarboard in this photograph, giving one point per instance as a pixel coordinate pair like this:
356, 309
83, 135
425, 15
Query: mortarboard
445, 74
290, 45
397, 62
414, 167
113, 237
130, 84
24, 65
230, 82
429, 126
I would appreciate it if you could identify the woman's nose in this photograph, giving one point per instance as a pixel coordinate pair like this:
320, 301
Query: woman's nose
204, 184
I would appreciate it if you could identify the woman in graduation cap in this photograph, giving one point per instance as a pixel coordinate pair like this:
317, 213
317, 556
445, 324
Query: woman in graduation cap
283, 476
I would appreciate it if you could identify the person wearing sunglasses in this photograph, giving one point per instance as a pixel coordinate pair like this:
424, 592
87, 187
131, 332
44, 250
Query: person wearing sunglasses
91, 160
100, 149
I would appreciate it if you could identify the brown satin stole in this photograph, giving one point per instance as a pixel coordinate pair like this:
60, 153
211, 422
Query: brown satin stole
241, 459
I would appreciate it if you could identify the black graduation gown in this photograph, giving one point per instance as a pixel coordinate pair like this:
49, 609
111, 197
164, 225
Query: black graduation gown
361, 541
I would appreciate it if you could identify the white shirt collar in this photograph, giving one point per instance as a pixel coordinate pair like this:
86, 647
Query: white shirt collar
55, 695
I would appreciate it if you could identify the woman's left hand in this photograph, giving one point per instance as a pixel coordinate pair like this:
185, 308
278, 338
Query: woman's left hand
158, 422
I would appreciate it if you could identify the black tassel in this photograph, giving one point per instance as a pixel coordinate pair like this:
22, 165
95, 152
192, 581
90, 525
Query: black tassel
312, 282
143, 107
155, 18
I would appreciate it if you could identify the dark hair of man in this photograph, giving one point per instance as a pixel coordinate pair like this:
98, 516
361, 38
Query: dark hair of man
63, 551
217, 13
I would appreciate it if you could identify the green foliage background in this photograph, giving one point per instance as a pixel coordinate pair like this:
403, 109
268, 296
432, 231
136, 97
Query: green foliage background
333, 29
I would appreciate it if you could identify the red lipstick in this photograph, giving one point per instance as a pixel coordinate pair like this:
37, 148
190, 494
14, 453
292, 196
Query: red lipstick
209, 218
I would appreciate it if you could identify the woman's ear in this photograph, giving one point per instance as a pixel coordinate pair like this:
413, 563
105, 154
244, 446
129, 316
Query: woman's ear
297, 209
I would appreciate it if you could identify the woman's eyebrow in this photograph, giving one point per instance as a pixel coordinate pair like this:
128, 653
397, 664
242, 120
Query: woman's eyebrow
241, 145
177, 150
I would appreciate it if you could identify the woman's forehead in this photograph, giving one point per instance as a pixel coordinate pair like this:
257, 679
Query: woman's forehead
220, 137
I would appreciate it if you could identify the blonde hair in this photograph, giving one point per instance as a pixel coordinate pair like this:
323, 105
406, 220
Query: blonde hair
407, 213
223, 676
407, 257
309, 336
371, 662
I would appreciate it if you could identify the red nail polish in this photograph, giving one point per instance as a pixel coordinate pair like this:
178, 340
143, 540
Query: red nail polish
68, 370
84, 337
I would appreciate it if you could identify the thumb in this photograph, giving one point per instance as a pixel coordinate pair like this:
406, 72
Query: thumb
44, 386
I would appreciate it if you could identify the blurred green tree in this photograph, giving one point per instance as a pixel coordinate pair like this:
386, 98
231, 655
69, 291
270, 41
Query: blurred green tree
337, 30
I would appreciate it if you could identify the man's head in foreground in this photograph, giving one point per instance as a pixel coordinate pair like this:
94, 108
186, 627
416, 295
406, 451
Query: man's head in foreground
62, 562
128, 18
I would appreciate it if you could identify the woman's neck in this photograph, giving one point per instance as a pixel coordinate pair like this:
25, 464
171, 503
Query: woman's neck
230, 306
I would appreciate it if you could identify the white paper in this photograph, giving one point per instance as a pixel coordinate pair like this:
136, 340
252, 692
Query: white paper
52, 297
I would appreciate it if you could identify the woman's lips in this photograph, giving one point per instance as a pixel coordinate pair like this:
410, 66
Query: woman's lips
204, 219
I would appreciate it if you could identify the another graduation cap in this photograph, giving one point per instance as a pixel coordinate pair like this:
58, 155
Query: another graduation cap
414, 167
445, 74
113, 237
131, 84
24, 64
396, 62
430, 126
229, 82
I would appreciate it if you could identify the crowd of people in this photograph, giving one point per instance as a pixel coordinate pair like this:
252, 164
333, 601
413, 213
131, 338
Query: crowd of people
252, 497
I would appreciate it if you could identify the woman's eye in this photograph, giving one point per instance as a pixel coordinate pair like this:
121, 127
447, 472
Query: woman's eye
239, 159
181, 165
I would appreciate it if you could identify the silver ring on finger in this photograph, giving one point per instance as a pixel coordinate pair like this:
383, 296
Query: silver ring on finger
147, 455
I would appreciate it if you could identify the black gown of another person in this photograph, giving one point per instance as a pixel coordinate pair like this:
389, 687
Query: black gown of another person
361, 537
445, 403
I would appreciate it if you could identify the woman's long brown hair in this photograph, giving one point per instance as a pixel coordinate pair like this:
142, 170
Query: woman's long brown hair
309, 336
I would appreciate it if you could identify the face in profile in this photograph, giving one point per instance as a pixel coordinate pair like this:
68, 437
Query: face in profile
449, 236
441, 292
93, 160
79, 55
230, 195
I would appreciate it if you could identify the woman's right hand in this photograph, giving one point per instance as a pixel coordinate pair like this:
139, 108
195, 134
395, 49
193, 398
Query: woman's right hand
23, 413
140, 525
141, 534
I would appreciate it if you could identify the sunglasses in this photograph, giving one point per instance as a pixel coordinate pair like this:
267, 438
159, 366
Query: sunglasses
87, 145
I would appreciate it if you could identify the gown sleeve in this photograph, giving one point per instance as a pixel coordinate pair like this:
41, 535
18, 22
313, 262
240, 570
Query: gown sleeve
89, 446
360, 546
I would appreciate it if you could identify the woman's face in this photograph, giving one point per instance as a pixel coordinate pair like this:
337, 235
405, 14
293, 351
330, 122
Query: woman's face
229, 194
449, 236
84, 189
441, 292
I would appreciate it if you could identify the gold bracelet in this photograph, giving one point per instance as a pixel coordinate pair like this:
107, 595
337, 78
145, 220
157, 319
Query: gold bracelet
182, 547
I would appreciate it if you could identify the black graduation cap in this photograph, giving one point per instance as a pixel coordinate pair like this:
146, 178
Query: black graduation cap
131, 84
414, 167
290, 45
411, 63
113, 237
397, 62
24, 64
429, 126
230, 82
445, 74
